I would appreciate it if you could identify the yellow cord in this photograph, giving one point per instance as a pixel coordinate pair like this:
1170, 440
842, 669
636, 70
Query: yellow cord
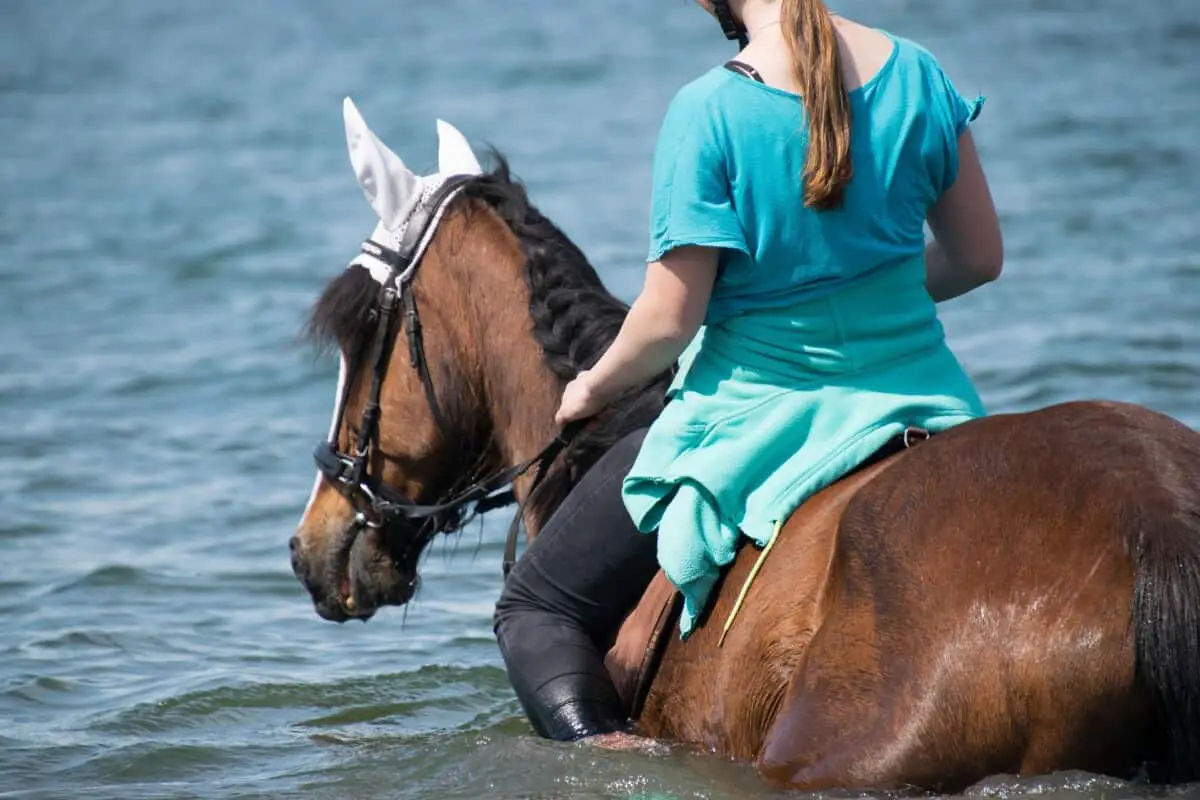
762, 557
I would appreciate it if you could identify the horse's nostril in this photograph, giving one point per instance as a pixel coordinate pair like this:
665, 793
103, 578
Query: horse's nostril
299, 568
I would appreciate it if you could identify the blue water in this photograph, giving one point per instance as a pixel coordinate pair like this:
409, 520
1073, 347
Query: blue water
174, 193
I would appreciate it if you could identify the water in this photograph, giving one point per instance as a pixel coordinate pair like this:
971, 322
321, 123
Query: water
175, 193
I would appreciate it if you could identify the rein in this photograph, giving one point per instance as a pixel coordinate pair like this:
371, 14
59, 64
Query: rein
376, 504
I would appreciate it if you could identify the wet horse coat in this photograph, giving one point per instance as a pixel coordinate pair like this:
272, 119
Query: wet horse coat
905, 632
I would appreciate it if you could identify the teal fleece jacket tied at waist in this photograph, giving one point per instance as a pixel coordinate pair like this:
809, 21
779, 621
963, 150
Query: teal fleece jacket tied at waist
769, 407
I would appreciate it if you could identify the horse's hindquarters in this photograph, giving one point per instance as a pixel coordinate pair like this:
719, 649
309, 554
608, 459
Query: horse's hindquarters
959, 611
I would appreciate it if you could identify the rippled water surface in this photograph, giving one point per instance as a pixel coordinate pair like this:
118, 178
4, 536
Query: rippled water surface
174, 193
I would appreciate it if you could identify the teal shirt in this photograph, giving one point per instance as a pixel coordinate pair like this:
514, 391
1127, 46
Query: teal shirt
728, 167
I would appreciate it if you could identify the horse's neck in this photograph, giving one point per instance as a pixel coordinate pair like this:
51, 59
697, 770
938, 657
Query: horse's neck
504, 361
522, 394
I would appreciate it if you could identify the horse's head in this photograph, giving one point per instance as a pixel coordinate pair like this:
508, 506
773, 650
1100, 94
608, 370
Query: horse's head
457, 326
414, 412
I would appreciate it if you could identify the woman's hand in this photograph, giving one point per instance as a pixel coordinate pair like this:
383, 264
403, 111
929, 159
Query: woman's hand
579, 400
659, 325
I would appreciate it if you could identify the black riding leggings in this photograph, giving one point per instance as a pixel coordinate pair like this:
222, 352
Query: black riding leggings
565, 599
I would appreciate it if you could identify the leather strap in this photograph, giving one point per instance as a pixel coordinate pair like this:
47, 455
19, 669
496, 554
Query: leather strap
485, 492
416, 357
744, 69
544, 460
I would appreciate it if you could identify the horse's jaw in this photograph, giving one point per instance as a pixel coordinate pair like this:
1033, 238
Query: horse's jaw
350, 573
368, 576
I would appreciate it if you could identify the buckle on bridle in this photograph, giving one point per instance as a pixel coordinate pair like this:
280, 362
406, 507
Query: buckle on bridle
332, 464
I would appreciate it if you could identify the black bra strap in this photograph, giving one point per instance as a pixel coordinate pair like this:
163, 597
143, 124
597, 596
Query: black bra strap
744, 69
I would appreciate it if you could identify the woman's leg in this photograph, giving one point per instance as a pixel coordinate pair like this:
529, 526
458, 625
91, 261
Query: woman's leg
566, 598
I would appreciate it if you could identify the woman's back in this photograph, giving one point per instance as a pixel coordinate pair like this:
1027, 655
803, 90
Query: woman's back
750, 140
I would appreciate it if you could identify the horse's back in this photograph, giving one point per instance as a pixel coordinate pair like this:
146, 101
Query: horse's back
960, 610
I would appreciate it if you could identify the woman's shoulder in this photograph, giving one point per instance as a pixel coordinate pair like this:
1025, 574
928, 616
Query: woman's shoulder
705, 91
701, 107
918, 65
918, 59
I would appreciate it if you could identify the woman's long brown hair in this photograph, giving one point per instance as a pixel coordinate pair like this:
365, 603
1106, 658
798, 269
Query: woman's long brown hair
817, 68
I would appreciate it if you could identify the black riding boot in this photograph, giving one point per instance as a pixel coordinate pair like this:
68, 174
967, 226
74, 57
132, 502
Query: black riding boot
565, 599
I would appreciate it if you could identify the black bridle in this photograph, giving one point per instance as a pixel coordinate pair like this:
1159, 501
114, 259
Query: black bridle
732, 29
377, 505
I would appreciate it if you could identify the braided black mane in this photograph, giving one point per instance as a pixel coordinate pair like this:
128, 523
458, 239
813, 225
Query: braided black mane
574, 320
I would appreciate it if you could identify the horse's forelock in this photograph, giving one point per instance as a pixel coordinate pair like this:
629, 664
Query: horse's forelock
341, 317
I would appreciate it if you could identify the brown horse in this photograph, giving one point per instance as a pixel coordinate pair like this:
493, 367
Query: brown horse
1020, 594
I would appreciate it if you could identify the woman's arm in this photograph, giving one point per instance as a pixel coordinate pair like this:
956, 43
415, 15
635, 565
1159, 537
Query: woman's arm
662, 321
967, 250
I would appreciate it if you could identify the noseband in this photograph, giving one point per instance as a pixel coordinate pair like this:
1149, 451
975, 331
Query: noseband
376, 505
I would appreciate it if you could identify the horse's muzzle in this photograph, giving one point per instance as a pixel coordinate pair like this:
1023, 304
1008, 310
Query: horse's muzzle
353, 577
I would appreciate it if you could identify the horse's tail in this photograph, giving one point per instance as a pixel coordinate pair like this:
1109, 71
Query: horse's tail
1166, 626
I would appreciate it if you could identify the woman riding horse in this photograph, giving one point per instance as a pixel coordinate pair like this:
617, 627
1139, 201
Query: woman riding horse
791, 187
1019, 594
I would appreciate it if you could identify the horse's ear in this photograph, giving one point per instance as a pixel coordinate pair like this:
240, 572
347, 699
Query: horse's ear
391, 188
455, 156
